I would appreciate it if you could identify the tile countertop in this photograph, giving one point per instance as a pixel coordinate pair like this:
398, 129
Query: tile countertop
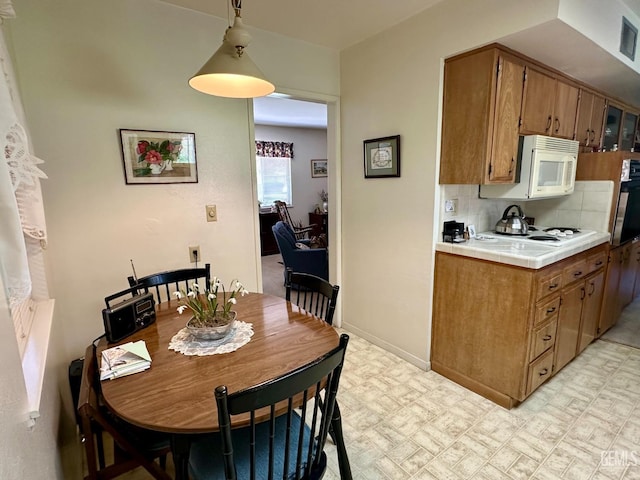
521, 254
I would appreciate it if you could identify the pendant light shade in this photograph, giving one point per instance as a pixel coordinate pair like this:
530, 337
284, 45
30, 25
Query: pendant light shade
230, 72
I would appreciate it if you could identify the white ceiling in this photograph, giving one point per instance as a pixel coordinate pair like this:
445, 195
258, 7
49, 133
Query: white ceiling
339, 24
332, 23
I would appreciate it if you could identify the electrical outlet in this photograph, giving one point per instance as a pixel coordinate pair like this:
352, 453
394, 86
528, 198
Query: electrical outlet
194, 254
450, 206
212, 214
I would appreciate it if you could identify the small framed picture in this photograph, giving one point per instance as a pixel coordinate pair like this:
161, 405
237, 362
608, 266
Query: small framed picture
319, 168
151, 156
382, 157
472, 231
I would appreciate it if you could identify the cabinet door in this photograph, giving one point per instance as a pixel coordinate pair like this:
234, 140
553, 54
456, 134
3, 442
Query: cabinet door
612, 127
504, 149
538, 102
568, 325
597, 120
610, 304
565, 110
627, 136
627, 276
583, 126
591, 310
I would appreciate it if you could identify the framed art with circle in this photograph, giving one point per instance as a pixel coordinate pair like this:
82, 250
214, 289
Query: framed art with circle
382, 157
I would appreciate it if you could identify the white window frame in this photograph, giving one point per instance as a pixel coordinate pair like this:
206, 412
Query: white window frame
268, 198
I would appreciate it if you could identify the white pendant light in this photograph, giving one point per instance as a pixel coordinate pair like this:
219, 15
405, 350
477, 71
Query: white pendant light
230, 72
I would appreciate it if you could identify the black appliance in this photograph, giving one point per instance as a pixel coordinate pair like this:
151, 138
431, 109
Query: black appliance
626, 225
453, 232
128, 316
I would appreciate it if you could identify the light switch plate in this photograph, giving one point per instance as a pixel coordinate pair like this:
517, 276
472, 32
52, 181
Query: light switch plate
212, 214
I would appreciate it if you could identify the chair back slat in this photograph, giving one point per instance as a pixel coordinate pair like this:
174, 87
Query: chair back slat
295, 411
163, 284
300, 231
313, 294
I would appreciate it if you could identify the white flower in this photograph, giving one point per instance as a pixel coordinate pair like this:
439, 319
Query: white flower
181, 309
244, 292
178, 295
191, 293
233, 300
211, 296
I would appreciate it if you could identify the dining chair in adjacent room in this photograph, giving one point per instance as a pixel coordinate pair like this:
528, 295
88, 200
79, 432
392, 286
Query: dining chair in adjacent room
287, 426
163, 284
314, 294
133, 447
300, 231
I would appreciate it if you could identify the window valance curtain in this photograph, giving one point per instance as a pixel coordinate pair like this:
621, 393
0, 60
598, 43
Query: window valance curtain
274, 149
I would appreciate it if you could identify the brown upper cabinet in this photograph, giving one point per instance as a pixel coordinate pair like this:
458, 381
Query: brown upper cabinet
493, 95
590, 120
549, 105
480, 119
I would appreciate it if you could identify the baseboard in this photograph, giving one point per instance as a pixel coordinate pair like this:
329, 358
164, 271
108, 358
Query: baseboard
412, 359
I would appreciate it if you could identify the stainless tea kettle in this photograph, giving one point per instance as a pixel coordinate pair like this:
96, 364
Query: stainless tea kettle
512, 224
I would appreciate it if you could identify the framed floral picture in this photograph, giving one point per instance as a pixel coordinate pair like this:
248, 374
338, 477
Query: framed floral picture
151, 156
382, 157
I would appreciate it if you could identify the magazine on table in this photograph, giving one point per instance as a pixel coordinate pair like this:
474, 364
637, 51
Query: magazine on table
125, 359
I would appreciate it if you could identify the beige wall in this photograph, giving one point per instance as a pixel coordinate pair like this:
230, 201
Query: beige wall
391, 85
86, 69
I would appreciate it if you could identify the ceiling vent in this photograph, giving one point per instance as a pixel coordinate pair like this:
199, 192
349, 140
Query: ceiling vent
628, 39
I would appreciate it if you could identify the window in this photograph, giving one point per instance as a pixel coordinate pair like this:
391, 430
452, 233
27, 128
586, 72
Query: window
273, 166
274, 179
628, 39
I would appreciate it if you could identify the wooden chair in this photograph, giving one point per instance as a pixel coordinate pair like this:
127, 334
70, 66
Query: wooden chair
314, 294
299, 231
133, 447
163, 284
287, 426
318, 297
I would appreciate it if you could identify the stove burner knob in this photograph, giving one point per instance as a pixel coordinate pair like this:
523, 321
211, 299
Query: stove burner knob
561, 234
569, 232
554, 231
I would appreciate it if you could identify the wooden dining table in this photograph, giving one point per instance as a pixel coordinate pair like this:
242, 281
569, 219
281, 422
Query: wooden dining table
176, 395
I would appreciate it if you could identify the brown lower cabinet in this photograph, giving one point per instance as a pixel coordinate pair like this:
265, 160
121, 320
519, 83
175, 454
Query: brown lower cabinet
502, 330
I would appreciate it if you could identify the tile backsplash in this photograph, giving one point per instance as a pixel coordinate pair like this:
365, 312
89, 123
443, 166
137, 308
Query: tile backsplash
588, 207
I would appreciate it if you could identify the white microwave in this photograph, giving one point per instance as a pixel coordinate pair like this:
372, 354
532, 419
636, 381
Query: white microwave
546, 167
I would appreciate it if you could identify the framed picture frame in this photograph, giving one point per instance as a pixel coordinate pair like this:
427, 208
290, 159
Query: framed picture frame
382, 157
153, 156
319, 168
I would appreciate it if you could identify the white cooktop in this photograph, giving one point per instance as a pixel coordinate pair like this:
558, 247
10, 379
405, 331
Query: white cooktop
551, 236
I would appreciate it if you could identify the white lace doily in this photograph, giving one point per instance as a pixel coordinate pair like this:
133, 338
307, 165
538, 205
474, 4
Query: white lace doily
187, 344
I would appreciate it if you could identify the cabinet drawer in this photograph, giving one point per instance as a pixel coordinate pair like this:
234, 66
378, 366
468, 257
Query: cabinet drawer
540, 371
547, 310
596, 261
574, 272
543, 338
549, 284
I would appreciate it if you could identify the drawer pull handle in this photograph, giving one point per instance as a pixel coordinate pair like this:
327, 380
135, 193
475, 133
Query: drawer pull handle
543, 372
578, 273
599, 263
546, 338
552, 286
551, 310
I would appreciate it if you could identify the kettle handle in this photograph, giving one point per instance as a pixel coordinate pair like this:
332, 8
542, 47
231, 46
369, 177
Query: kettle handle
506, 212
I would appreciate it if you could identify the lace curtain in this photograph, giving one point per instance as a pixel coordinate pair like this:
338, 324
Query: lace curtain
21, 209
274, 149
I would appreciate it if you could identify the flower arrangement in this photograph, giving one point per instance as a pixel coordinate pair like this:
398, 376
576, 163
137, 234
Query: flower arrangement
154, 153
209, 308
324, 196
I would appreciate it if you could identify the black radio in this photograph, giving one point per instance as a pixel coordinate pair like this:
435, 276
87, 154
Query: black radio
130, 315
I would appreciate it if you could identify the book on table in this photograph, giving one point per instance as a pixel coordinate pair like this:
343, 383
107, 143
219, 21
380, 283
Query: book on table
125, 359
